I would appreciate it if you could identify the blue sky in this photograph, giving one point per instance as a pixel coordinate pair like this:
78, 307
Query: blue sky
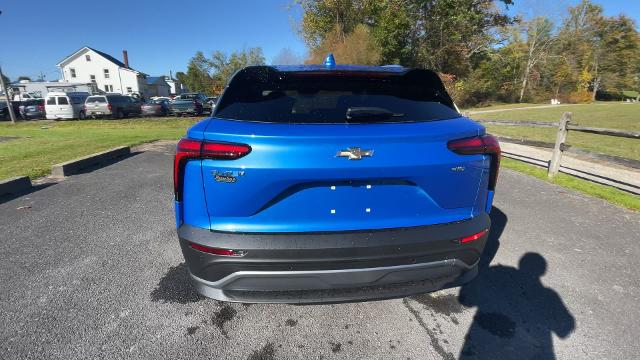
162, 36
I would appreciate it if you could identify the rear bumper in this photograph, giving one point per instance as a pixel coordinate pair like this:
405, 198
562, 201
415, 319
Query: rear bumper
59, 116
186, 110
34, 115
99, 113
152, 112
333, 267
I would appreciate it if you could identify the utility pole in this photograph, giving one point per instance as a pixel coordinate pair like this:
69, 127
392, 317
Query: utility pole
6, 94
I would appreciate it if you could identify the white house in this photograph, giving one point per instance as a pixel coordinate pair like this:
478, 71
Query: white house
89, 65
175, 87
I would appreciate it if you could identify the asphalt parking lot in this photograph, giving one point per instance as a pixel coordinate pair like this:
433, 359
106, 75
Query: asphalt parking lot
91, 268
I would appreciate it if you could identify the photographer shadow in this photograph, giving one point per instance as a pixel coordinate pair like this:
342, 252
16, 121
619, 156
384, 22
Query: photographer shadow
516, 314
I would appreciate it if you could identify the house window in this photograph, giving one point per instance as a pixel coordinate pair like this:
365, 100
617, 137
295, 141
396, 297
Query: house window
129, 90
93, 78
87, 57
108, 88
106, 73
73, 72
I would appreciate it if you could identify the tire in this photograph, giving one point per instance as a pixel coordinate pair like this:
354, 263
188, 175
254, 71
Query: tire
82, 115
120, 114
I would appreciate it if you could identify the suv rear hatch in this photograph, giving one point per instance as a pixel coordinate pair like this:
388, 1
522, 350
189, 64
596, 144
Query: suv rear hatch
97, 105
340, 151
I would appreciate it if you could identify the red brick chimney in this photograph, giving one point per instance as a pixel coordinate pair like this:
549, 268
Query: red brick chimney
125, 56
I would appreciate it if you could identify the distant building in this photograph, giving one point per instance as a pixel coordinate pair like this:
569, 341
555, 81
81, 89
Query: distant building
88, 65
157, 86
24, 89
176, 87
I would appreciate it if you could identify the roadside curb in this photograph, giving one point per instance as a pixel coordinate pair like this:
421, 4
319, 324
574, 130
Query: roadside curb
77, 165
15, 185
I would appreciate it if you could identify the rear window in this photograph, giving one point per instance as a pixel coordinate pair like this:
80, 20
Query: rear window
115, 99
188, 97
96, 99
63, 100
330, 98
51, 101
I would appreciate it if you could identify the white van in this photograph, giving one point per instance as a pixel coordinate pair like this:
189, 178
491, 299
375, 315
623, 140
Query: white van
65, 105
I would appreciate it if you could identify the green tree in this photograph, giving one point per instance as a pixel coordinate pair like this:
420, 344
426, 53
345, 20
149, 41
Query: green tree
323, 17
482, 53
224, 66
539, 44
357, 47
197, 77
619, 59
602, 53
444, 35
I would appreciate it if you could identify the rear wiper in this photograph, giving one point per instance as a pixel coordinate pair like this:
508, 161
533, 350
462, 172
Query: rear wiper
370, 112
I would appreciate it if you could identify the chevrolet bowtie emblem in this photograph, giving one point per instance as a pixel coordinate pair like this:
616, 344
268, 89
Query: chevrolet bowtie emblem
354, 153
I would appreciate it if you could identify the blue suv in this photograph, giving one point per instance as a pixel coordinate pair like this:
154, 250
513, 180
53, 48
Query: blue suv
333, 183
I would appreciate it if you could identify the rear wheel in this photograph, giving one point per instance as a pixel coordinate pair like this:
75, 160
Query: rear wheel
120, 114
82, 115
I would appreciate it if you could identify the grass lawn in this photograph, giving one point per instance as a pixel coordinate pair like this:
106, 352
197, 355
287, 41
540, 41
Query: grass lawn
614, 115
607, 193
31, 147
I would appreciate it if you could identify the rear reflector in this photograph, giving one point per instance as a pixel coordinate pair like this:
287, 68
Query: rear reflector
215, 251
474, 237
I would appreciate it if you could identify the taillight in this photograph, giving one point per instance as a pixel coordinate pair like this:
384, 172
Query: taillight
479, 145
189, 149
109, 107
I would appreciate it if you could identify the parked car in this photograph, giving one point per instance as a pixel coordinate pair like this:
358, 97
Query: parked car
322, 184
112, 105
33, 109
212, 100
156, 107
190, 103
160, 98
4, 109
65, 105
